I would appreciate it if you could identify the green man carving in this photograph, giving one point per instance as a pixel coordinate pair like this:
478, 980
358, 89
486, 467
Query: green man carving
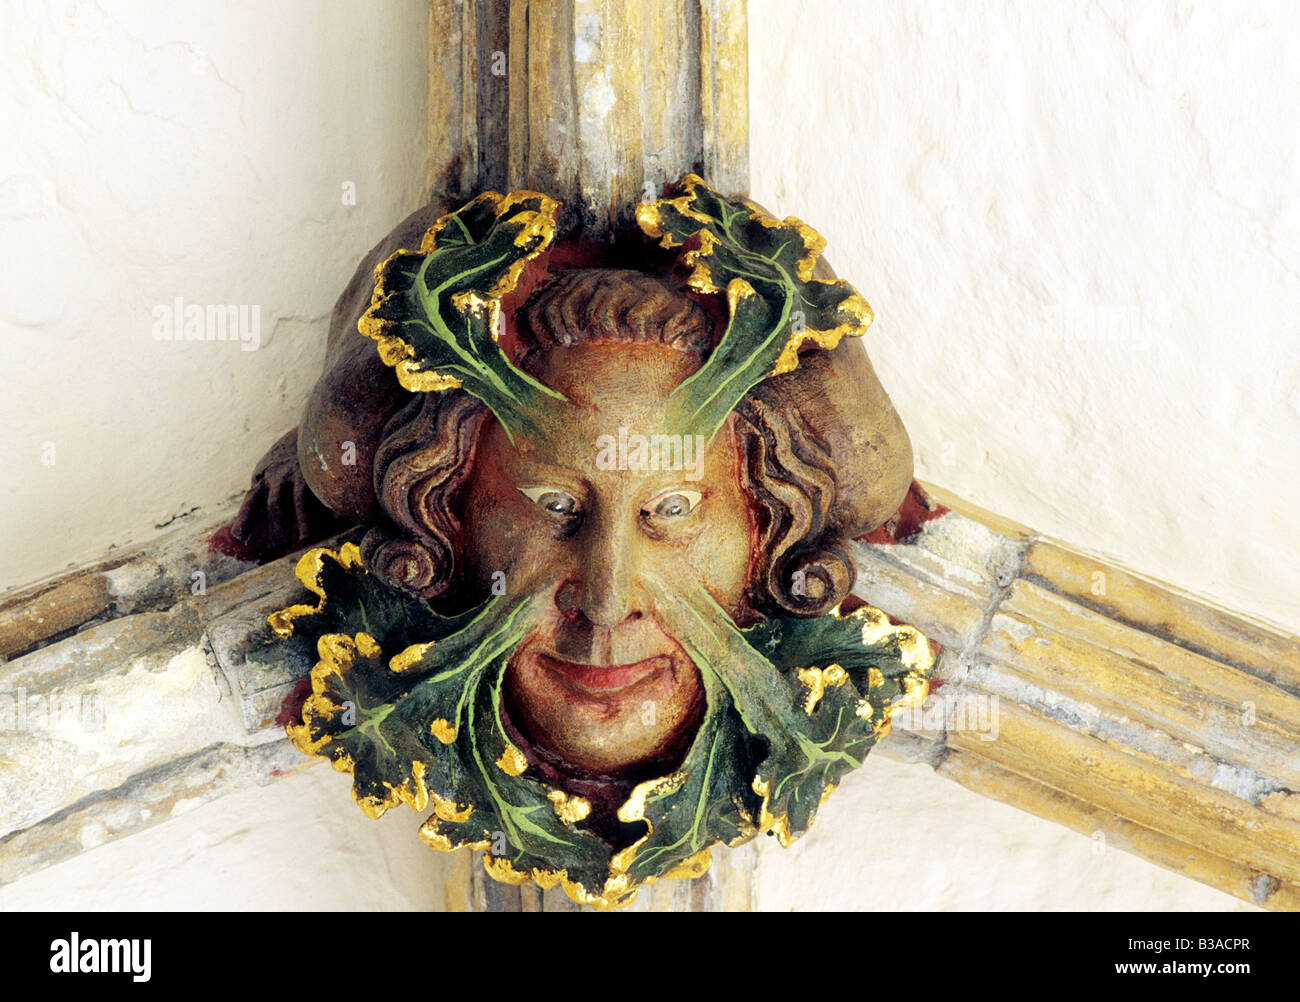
598, 621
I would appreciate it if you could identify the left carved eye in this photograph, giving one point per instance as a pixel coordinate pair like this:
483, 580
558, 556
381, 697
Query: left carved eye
554, 501
674, 504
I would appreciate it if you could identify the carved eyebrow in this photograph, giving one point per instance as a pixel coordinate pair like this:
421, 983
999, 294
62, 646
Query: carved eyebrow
524, 472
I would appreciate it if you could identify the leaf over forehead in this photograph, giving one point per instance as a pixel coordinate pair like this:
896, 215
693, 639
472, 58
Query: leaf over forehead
765, 267
436, 312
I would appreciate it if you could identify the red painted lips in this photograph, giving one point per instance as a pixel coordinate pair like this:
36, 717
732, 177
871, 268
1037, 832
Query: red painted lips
604, 679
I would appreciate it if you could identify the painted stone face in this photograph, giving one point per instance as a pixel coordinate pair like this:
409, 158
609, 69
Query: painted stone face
601, 623
601, 683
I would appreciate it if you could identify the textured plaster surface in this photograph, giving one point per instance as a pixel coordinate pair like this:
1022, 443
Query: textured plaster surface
286, 846
1079, 227
156, 150
894, 836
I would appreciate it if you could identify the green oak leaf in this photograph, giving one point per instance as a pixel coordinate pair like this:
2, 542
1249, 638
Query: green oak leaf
436, 313
417, 719
356, 717
351, 600
766, 269
415, 716
382, 718
706, 801
510, 814
810, 744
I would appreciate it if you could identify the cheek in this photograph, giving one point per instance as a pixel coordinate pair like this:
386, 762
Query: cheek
720, 556
722, 552
490, 541
499, 536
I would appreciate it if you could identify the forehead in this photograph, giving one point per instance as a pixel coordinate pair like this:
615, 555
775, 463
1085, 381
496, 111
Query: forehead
617, 393
609, 387
614, 379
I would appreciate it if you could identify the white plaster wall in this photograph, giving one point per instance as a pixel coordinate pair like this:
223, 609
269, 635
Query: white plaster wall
1079, 227
898, 837
893, 837
287, 846
155, 149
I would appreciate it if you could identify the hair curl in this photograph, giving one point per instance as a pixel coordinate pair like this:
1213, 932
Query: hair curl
800, 564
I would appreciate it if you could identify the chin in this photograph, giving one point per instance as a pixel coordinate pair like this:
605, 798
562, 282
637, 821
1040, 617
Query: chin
604, 719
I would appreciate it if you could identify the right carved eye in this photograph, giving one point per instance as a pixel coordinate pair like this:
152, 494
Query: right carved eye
552, 500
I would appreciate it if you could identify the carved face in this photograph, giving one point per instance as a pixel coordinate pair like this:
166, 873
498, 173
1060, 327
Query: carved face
600, 684
608, 648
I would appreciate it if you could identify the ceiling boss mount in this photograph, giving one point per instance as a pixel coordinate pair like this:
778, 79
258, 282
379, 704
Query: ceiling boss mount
598, 618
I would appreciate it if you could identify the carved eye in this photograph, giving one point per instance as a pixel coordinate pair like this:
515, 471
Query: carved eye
675, 504
552, 500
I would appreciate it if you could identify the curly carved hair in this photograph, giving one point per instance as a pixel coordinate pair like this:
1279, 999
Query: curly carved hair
799, 566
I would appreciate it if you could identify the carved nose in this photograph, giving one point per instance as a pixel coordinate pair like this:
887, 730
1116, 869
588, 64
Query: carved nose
602, 592
591, 603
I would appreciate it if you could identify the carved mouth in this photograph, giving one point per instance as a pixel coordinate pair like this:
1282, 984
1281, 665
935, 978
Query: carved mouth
604, 680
